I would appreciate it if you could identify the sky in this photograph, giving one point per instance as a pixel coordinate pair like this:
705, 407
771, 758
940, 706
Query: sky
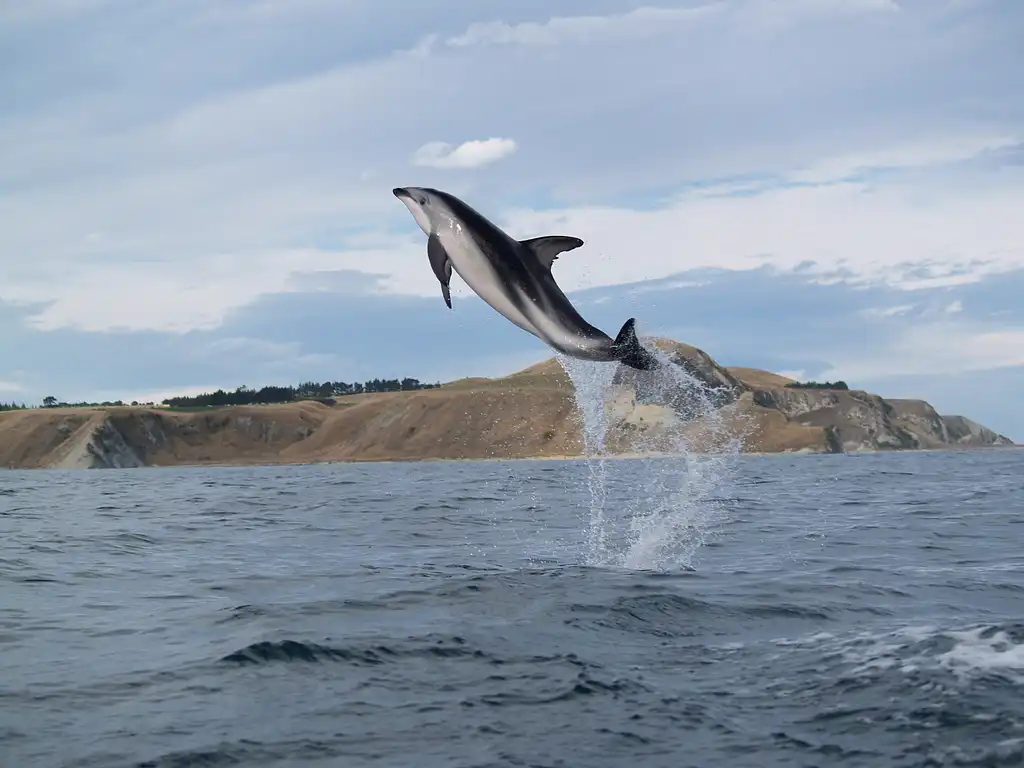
197, 193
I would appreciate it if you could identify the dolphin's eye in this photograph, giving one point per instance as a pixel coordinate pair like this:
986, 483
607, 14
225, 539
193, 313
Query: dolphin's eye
423, 201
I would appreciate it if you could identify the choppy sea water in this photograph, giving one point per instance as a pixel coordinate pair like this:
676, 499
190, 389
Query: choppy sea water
832, 610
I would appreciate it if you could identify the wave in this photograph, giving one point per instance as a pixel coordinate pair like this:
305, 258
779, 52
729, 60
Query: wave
292, 650
245, 752
454, 647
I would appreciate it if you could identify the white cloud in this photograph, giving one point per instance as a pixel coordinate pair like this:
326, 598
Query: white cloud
938, 150
151, 396
649, 21
939, 348
559, 30
770, 16
470, 154
882, 312
885, 232
162, 297
668, 285
243, 348
8, 387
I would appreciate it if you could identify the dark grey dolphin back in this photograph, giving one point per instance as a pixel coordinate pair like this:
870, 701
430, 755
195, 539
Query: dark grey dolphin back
548, 247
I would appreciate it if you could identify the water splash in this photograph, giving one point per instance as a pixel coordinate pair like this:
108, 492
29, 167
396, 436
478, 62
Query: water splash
592, 386
653, 512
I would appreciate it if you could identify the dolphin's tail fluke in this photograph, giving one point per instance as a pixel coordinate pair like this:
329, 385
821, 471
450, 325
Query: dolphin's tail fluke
630, 352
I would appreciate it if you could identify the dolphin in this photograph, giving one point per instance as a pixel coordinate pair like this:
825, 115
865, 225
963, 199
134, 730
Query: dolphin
514, 277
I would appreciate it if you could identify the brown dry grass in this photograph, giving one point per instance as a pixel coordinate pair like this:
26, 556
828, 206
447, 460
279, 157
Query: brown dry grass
755, 378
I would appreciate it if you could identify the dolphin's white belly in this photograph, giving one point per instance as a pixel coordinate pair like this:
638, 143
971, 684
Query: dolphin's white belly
474, 267
558, 336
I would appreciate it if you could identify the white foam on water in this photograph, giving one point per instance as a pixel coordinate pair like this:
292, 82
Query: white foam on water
984, 649
967, 653
670, 497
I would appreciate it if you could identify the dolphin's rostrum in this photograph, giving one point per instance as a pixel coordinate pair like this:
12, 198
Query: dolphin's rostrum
514, 277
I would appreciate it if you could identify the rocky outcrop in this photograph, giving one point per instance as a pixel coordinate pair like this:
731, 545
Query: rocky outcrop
861, 421
853, 420
922, 422
531, 413
99, 446
699, 377
962, 431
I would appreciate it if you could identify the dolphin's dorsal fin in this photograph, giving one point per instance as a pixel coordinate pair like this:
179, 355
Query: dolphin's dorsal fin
547, 248
442, 266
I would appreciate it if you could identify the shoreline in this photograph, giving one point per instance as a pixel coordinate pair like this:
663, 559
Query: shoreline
552, 458
531, 415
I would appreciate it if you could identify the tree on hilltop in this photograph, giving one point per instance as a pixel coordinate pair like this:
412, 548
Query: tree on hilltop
307, 390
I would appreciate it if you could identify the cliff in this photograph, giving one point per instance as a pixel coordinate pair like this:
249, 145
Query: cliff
531, 413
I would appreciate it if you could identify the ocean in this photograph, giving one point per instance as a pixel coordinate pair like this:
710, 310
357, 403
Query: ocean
853, 610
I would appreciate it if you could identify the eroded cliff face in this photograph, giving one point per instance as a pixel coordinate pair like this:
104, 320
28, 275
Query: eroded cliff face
861, 421
529, 414
31, 438
138, 437
852, 420
100, 446
963, 431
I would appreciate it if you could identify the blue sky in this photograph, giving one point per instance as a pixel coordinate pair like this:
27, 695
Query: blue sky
197, 193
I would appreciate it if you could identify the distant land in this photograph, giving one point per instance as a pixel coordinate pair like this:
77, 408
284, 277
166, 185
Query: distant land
529, 414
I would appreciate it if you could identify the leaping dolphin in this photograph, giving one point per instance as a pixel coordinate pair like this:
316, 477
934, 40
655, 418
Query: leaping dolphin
514, 277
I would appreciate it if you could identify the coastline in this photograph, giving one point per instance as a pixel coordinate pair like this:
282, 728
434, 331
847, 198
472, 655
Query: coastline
242, 464
530, 415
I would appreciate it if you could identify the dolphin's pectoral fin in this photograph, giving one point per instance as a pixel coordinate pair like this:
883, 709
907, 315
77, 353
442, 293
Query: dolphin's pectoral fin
547, 248
442, 266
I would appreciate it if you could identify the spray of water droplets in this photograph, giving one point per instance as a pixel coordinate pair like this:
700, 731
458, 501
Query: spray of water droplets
651, 512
